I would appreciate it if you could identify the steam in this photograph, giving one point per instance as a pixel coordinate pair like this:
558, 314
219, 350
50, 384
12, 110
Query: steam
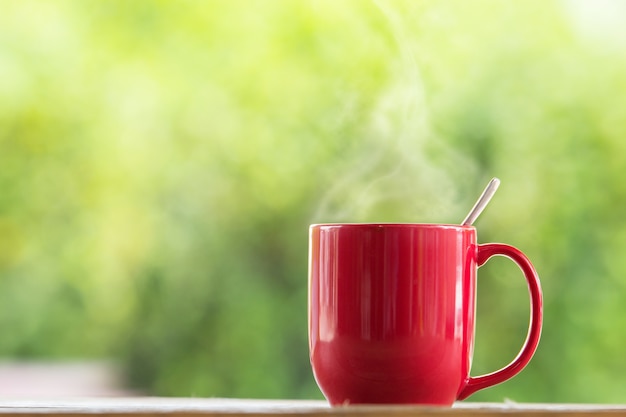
404, 171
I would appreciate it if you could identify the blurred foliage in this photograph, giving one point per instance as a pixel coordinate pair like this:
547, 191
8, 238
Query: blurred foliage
160, 163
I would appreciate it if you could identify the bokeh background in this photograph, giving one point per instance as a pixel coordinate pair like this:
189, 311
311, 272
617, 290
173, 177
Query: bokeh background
160, 162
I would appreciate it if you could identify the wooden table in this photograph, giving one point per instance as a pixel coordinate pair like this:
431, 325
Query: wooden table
215, 407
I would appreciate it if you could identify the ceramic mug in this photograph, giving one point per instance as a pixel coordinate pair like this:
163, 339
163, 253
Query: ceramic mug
391, 312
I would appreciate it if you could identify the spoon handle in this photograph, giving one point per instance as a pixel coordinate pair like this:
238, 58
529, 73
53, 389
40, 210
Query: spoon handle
482, 202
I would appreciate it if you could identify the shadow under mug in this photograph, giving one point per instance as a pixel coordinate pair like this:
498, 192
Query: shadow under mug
391, 312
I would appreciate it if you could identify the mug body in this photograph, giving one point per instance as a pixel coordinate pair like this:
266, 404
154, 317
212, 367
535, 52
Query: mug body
391, 311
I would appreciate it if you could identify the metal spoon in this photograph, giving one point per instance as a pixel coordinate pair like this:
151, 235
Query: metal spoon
482, 202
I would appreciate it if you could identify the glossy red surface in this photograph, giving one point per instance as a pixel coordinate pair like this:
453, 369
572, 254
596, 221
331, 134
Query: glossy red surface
391, 312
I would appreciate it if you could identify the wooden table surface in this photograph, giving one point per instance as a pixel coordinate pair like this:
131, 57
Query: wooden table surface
212, 407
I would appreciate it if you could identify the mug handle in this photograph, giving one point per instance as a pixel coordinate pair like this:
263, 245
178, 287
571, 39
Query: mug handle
486, 251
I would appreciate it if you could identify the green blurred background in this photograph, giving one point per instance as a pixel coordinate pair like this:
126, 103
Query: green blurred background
160, 162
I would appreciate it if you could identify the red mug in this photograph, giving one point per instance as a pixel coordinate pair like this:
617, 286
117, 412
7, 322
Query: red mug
391, 312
